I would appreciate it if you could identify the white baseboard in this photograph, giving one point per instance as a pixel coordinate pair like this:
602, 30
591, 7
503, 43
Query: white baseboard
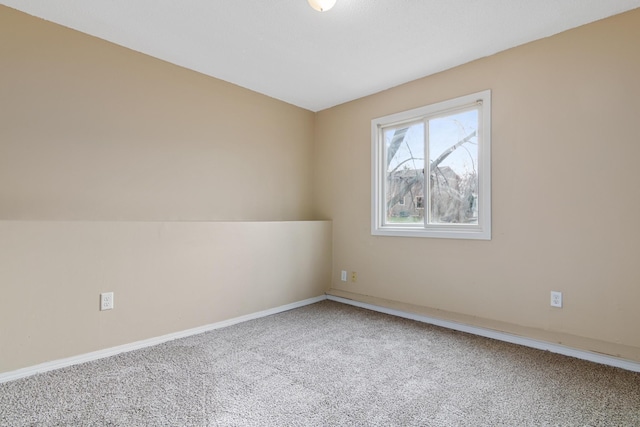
489, 333
501, 336
100, 354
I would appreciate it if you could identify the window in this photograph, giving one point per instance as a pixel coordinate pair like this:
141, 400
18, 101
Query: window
438, 157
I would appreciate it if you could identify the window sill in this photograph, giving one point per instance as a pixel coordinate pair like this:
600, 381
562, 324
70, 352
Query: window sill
440, 233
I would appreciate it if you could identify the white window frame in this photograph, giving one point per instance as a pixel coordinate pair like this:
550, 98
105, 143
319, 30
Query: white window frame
480, 231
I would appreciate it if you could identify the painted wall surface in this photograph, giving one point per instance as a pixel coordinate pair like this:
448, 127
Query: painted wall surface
183, 194
93, 131
166, 277
565, 193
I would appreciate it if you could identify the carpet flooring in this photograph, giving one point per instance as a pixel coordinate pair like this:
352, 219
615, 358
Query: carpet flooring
328, 364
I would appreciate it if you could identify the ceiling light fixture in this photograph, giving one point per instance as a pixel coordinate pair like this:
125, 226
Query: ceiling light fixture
322, 5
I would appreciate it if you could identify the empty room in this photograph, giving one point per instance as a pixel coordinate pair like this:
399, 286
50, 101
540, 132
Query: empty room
319, 212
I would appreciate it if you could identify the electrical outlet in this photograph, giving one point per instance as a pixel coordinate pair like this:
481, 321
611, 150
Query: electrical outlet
556, 299
343, 276
106, 301
354, 277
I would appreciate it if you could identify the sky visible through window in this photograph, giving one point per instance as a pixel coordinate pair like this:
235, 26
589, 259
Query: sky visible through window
444, 132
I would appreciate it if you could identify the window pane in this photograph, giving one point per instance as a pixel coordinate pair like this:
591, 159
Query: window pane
404, 156
431, 174
453, 160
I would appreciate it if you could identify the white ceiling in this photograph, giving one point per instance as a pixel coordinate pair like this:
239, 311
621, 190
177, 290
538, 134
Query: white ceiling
286, 50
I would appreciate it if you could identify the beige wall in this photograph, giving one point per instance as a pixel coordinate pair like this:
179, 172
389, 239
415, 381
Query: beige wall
565, 194
166, 277
91, 130
183, 194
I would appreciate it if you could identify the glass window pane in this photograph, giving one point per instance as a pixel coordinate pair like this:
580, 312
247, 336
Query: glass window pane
404, 156
453, 171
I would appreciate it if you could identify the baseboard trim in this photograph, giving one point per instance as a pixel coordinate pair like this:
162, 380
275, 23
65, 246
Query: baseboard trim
501, 336
101, 354
484, 332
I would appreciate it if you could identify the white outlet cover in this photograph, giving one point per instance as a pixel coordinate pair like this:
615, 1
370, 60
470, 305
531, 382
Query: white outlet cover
106, 301
556, 299
343, 276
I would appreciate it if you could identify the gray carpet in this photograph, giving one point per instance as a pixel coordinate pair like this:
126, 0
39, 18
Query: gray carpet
328, 364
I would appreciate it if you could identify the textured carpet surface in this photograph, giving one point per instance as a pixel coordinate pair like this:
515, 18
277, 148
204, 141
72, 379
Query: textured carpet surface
328, 364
